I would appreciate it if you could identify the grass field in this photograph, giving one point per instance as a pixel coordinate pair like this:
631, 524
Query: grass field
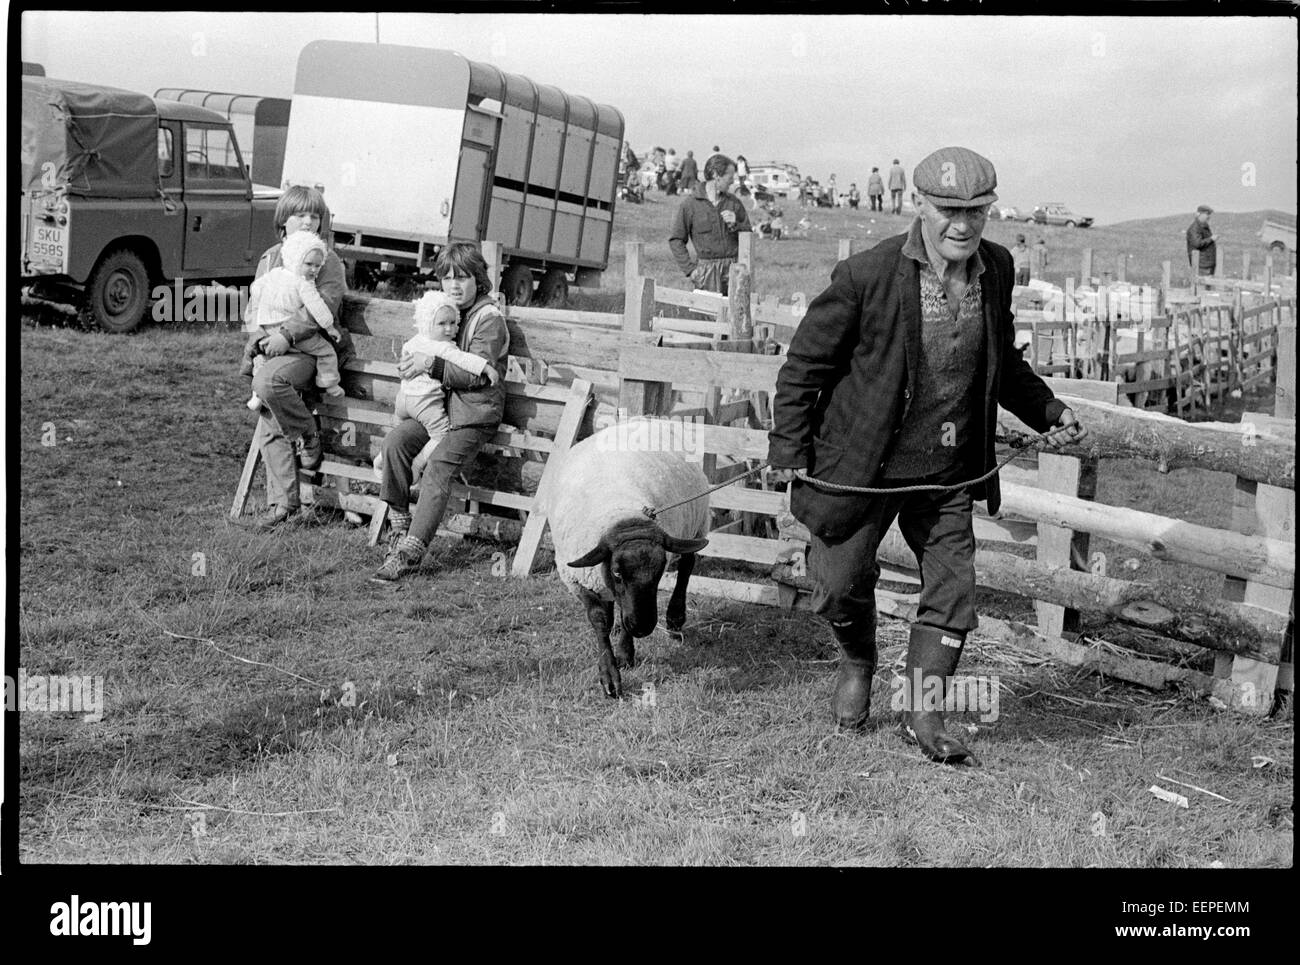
457, 719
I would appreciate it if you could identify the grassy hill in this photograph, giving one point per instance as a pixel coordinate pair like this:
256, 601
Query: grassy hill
803, 264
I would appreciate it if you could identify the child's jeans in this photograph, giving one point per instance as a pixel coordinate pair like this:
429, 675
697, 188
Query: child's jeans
429, 412
317, 346
327, 360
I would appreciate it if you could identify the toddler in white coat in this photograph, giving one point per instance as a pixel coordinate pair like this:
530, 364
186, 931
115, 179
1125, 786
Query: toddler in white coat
437, 322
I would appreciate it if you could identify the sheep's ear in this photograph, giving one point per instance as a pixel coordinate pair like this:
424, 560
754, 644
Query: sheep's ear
674, 545
599, 555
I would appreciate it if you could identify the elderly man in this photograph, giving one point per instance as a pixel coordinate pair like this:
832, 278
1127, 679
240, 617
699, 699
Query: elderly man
893, 379
1202, 253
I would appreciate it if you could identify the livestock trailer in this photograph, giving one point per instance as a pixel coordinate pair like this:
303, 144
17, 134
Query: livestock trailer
261, 125
415, 147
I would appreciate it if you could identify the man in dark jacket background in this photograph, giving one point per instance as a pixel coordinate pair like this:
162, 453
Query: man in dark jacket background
1201, 239
710, 218
893, 379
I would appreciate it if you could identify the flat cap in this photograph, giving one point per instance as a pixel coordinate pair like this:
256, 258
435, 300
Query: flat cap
956, 177
1204, 207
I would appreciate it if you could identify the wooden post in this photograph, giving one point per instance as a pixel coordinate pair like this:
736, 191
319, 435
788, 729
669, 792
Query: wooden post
1086, 268
1245, 264
492, 255
1166, 281
846, 248
1284, 395
1218, 263
1075, 477
1268, 276
638, 397
1121, 267
745, 254
1261, 510
1111, 337
632, 252
739, 308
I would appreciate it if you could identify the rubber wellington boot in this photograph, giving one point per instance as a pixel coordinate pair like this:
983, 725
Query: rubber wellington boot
851, 702
932, 656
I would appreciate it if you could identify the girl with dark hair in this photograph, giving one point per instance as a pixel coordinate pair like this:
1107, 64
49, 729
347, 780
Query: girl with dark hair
475, 403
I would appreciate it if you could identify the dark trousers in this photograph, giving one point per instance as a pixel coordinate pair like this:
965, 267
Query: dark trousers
285, 417
456, 452
896, 200
1022, 275
878, 202
937, 528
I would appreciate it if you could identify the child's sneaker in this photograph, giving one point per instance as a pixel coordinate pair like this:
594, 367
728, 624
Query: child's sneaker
335, 391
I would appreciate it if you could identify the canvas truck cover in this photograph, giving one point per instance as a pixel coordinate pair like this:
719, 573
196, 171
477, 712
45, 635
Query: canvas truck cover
92, 141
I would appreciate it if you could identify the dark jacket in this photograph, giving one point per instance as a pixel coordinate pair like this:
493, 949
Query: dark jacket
690, 172
700, 222
875, 185
331, 283
850, 376
472, 400
1198, 239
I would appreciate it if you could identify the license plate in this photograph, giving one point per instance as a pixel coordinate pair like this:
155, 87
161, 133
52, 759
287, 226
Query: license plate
49, 244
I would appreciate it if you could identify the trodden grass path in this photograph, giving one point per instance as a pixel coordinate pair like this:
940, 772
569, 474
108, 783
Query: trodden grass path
457, 719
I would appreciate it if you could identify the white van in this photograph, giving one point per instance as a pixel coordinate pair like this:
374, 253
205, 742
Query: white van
778, 179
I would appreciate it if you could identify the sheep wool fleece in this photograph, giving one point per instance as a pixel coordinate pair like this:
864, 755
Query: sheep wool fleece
609, 476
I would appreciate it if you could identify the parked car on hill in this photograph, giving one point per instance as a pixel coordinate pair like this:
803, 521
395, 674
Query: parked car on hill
1056, 213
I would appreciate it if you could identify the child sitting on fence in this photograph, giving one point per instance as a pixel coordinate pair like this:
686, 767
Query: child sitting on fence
437, 322
288, 293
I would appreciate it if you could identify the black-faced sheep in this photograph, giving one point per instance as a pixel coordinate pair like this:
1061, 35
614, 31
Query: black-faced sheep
607, 550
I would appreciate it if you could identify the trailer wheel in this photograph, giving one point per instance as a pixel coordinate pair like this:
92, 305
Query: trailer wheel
553, 292
517, 285
117, 292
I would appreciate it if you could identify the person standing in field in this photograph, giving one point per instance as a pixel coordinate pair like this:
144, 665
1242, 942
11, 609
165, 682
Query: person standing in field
897, 185
876, 190
710, 218
1202, 253
1020, 258
892, 381
690, 172
1040, 259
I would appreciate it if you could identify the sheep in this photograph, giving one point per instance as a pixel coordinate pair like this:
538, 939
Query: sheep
608, 550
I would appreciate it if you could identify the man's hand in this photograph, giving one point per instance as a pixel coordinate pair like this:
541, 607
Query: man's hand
1071, 431
276, 344
413, 364
729, 217
781, 475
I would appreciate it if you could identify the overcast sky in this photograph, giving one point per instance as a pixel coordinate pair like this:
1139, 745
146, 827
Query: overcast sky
1118, 117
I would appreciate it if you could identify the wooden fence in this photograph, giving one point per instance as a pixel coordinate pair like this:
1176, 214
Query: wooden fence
645, 363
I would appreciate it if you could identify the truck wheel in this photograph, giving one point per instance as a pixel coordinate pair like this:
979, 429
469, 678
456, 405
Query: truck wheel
117, 292
1069, 224
517, 285
553, 292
